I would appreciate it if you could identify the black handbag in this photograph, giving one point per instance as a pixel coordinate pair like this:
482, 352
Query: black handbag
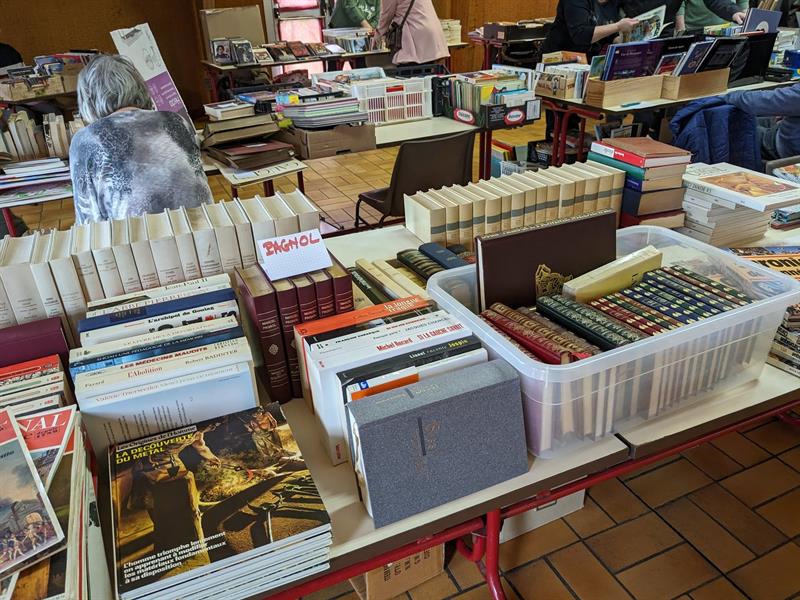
394, 36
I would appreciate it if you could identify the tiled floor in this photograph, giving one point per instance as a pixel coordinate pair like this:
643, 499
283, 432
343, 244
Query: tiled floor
333, 183
719, 522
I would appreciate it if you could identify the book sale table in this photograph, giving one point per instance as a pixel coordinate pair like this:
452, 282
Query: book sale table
359, 547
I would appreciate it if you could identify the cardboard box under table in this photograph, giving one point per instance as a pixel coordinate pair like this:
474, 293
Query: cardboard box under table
396, 578
320, 143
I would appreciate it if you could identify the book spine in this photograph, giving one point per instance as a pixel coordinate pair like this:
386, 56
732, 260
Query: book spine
326, 297
247, 248
154, 310
567, 334
188, 256
660, 306
108, 272
342, 291
373, 292
568, 343
22, 293
646, 312
600, 319
631, 170
143, 326
128, 274
167, 261
307, 302
87, 274
546, 350
145, 265
699, 312
624, 316
289, 311
708, 304
442, 256
228, 248
264, 313
7, 318
145, 299
48, 292
587, 328
617, 154
419, 263
727, 292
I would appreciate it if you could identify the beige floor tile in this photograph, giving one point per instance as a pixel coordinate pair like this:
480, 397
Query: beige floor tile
775, 437
740, 449
712, 540
617, 500
538, 580
784, 513
762, 482
719, 589
535, 544
440, 586
747, 526
774, 576
585, 575
668, 483
668, 575
712, 461
589, 520
632, 542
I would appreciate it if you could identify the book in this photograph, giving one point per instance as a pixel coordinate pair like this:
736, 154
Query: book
259, 460
21, 343
548, 263
244, 233
307, 212
624, 61
229, 109
425, 218
242, 51
652, 185
285, 220
289, 313
225, 234
668, 63
614, 276
18, 280
442, 256
419, 263
46, 434
721, 54
454, 401
324, 293
639, 203
46, 284
142, 252
109, 305
41, 534
641, 152
179, 221
104, 259
342, 286
544, 349
205, 242
633, 172
164, 248
741, 186
691, 61
123, 256
671, 219
570, 317
373, 292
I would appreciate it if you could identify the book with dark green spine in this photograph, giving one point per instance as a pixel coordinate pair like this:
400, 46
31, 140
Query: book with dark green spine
586, 328
371, 291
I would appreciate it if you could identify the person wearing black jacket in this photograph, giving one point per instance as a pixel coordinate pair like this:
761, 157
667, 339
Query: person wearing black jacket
585, 26
724, 9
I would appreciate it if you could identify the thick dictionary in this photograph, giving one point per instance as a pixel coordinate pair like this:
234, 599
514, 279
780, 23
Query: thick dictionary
415, 446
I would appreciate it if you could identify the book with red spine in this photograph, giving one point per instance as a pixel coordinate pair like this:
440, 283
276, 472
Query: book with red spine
21, 343
641, 152
625, 316
342, 287
545, 350
306, 298
289, 312
259, 299
323, 287
30, 369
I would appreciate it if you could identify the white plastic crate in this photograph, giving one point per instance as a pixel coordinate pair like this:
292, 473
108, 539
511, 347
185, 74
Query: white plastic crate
570, 404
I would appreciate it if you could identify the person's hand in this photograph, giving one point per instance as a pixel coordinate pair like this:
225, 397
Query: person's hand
626, 25
367, 25
738, 18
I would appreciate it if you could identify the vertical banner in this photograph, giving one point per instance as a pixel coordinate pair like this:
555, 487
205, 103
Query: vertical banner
138, 45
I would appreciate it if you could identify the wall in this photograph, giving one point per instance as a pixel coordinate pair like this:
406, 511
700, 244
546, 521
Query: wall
45, 26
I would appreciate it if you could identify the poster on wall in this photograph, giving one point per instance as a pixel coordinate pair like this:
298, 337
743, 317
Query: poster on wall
138, 45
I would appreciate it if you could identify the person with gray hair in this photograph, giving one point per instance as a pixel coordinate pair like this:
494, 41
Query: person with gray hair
130, 159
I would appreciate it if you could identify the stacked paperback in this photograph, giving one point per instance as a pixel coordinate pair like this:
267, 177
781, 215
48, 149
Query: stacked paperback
43, 171
456, 215
653, 192
728, 205
326, 113
25, 140
160, 359
55, 274
246, 517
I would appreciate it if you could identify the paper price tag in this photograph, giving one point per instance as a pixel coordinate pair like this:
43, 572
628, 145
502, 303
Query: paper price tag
293, 254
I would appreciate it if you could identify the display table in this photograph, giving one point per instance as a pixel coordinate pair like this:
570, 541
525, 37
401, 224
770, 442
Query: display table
397, 133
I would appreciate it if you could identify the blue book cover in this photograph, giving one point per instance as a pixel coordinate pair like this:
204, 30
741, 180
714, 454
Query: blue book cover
630, 200
153, 310
176, 345
633, 184
442, 256
694, 56
626, 60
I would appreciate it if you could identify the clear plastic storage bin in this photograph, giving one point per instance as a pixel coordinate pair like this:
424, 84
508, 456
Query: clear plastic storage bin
583, 401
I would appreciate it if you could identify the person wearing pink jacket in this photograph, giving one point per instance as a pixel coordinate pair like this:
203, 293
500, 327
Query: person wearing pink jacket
423, 38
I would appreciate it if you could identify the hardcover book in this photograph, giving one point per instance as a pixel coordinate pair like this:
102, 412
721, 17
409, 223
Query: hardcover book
758, 191
638, 203
642, 151
545, 262
260, 506
414, 446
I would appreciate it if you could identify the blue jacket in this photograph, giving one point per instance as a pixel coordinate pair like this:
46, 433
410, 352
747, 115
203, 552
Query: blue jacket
715, 131
780, 102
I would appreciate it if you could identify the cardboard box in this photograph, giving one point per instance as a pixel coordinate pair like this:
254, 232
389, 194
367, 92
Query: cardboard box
400, 576
530, 520
695, 85
319, 143
23, 90
607, 94
241, 21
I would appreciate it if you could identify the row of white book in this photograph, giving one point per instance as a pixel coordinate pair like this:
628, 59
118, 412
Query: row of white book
23, 139
457, 214
51, 545
58, 272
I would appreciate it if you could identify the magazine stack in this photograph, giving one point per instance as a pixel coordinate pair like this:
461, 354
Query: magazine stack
222, 508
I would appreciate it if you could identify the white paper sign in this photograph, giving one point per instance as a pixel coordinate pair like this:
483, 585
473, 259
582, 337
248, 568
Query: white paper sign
293, 254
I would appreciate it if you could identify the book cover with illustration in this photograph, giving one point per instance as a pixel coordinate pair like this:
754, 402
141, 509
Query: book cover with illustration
217, 494
28, 524
46, 434
754, 190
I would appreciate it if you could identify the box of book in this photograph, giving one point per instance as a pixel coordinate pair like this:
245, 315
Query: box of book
29, 88
581, 401
396, 578
321, 143
695, 85
606, 94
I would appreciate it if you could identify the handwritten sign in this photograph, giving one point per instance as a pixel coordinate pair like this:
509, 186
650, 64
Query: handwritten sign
290, 255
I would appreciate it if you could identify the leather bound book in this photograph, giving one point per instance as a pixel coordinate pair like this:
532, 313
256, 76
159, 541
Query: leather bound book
599, 318
711, 285
581, 348
441, 255
323, 287
688, 289
306, 298
583, 326
531, 314
545, 350
643, 311
624, 316
20, 343
289, 311
516, 267
342, 287
419, 263
259, 300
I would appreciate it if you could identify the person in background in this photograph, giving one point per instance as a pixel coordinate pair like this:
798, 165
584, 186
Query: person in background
779, 118
130, 159
693, 15
355, 13
423, 38
585, 26
9, 56
726, 10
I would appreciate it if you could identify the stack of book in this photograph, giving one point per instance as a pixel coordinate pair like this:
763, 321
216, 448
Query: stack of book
25, 140
786, 218
56, 273
326, 113
456, 215
506, 86
452, 30
264, 101
222, 507
48, 537
352, 39
274, 308
653, 192
33, 172
785, 351
161, 359
728, 205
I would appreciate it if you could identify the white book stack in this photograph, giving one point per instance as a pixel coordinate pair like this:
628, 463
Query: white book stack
81, 251
244, 233
225, 232
285, 219
185, 242
719, 222
123, 255
18, 279
104, 259
164, 248
142, 253
205, 242
46, 283
66, 277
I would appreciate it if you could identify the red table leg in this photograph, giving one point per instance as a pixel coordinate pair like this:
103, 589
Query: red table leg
9, 219
580, 137
493, 523
301, 183
790, 419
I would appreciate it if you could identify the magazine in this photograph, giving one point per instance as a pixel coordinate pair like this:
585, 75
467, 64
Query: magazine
651, 24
